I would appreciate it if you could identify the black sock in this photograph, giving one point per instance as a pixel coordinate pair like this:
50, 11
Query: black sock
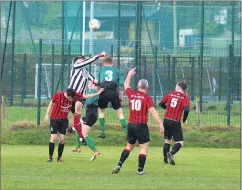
176, 147
51, 149
166, 149
60, 150
123, 157
142, 159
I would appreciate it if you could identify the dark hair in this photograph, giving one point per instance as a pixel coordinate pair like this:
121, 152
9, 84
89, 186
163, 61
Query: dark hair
182, 85
107, 60
71, 92
78, 57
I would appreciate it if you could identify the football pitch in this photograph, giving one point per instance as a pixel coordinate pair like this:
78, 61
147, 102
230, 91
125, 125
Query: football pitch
24, 167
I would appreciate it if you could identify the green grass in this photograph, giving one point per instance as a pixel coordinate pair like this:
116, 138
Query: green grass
24, 167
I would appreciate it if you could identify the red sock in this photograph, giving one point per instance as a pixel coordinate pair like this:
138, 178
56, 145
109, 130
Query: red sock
77, 125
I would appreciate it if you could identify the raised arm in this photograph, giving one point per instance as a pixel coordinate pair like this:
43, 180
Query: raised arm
128, 78
79, 63
156, 116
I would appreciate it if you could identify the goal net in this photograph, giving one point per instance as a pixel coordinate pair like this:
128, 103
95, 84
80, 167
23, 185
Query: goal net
49, 82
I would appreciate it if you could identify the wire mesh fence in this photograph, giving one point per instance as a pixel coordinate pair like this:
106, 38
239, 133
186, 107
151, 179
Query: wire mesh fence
162, 39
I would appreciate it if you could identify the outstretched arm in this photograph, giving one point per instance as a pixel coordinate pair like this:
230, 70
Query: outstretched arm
128, 78
86, 96
79, 63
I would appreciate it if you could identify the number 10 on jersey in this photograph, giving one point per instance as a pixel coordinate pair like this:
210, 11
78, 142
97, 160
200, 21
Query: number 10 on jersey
135, 105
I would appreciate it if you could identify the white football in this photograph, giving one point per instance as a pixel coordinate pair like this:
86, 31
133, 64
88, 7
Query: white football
94, 24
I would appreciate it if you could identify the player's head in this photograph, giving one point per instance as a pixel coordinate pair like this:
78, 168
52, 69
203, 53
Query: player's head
70, 93
80, 58
143, 85
92, 85
181, 87
107, 61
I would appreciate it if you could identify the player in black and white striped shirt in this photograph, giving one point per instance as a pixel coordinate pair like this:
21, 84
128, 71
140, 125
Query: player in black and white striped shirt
79, 81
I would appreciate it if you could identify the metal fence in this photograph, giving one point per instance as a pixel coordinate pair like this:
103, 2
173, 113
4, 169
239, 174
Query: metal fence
198, 43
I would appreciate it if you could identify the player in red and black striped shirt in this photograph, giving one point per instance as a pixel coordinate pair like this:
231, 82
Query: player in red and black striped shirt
175, 103
139, 105
58, 111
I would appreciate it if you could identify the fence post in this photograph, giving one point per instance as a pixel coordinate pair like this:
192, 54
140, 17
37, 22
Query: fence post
111, 54
238, 63
220, 79
229, 74
69, 61
90, 65
23, 79
52, 69
39, 82
119, 34
201, 56
63, 43
173, 74
13, 54
192, 78
155, 74
169, 70
144, 63
197, 112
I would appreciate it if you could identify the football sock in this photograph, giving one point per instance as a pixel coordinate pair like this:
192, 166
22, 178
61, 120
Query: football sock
102, 125
124, 125
123, 157
60, 150
142, 159
90, 143
78, 143
77, 125
51, 149
166, 149
176, 147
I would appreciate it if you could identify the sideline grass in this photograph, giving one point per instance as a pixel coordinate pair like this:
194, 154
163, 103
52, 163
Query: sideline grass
24, 167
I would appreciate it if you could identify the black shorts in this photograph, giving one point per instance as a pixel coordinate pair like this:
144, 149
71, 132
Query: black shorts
73, 110
173, 129
58, 125
91, 116
109, 96
138, 131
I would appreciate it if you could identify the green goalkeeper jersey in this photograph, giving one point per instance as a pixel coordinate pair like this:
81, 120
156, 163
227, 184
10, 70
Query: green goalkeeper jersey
110, 77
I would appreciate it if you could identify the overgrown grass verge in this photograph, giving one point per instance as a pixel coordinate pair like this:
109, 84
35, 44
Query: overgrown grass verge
207, 136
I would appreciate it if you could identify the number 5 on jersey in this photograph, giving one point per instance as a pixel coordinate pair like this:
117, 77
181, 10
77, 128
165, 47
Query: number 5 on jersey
135, 105
173, 103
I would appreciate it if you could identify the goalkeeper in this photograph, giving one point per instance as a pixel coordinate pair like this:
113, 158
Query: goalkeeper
110, 78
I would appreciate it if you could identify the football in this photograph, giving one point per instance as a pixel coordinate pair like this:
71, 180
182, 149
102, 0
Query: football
94, 24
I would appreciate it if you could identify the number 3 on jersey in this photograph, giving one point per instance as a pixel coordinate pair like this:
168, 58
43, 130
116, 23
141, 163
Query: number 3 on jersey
136, 105
109, 75
173, 103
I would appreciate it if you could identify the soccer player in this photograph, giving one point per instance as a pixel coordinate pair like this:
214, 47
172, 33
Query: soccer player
58, 110
175, 103
110, 78
78, 81
89, 120
139, 105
